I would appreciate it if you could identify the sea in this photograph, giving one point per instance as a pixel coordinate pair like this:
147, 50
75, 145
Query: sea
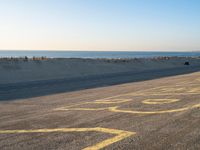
96, 54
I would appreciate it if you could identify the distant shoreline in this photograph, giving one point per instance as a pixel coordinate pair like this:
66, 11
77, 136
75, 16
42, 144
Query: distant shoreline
26, 58
97, 54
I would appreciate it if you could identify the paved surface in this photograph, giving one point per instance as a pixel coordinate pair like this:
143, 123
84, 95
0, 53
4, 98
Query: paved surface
159, 114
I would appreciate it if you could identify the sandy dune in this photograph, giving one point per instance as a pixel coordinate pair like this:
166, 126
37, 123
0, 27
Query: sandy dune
23, 71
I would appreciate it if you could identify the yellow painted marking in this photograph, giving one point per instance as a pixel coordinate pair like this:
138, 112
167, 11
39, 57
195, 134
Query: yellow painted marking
166, 90
101, 101
111, 101
106, 100
116, 109
86, 109
172, 89
78, 104
159, 101
162, 90
120, 134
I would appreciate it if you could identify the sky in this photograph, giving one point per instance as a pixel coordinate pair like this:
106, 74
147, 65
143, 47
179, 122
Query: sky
129, 25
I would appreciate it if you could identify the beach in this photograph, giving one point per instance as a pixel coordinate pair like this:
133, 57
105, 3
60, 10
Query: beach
22, 70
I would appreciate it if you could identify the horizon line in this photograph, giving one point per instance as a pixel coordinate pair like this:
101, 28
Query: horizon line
101, 50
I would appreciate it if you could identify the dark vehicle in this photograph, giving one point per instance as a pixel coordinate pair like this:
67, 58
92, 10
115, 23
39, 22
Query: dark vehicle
187, 63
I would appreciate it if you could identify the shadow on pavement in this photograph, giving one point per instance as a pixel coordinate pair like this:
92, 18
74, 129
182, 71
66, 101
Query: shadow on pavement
47, 87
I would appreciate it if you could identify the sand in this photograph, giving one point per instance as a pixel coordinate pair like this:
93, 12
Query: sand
15, 71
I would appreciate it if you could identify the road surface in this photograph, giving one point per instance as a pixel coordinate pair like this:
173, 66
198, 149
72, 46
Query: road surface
159, 114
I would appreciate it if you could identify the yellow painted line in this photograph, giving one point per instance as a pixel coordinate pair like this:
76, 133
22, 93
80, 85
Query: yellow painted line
171, 89
162, 90
120, 134
106, 99
116, 109
159, 101
111, 101
101, 101
65, 107
84, 109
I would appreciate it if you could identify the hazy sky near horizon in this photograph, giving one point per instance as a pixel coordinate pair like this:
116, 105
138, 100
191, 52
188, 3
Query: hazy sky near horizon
100, 25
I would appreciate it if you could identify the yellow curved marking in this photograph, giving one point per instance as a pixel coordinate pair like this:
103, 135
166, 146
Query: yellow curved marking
159, 91
116, 109
159, 101
120, 134
111, 101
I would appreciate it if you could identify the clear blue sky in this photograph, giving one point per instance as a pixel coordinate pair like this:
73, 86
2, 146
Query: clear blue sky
100, 24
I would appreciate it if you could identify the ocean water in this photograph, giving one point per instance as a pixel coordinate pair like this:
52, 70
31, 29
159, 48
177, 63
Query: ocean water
94, 54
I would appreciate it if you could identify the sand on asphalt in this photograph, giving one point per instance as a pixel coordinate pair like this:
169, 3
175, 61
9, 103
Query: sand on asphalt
156, 114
